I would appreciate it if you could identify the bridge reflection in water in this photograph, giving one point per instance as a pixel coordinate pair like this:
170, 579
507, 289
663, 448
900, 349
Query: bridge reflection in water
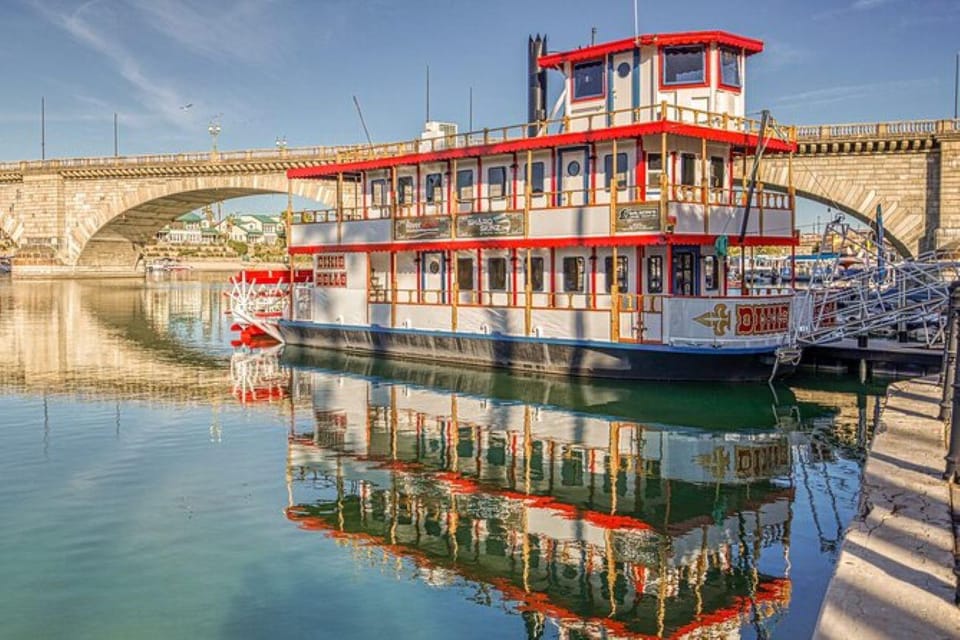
122, 339
602, 526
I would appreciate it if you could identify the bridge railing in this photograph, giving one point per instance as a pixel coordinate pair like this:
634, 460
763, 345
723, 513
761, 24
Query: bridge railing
876, 129
346, 153
312, 153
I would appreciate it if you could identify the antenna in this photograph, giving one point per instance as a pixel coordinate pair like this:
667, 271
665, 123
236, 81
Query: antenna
362, 122
428, 93
636, 22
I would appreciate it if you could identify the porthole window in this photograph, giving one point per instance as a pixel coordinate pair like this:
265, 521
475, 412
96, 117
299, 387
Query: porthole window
434, 266
573, 169
623, 69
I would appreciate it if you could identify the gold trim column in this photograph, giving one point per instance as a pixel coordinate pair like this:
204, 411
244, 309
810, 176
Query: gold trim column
393, 289
704, 186
664, 178
339, 207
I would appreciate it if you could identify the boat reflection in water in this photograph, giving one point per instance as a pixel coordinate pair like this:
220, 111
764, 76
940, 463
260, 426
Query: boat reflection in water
600, 526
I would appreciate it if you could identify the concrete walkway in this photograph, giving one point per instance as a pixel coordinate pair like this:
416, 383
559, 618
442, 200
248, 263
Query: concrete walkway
895, 575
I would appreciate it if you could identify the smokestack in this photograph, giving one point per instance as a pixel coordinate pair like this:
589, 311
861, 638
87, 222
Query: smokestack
537, 83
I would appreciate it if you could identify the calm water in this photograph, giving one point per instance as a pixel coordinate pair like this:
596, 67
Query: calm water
155, 484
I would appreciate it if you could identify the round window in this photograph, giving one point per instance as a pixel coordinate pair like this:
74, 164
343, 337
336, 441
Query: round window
434, 267
623, 69
573, 169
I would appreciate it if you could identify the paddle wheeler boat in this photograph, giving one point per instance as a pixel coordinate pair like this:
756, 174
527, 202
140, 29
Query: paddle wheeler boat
591, 242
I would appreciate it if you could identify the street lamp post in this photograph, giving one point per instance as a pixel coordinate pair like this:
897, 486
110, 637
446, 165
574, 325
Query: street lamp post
214, 130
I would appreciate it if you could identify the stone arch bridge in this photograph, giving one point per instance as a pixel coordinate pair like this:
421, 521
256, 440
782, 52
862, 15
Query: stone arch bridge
94, 214
911, 169
91, 214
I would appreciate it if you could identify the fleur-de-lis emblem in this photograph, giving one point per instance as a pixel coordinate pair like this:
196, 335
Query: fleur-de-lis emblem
718, 319
715, 463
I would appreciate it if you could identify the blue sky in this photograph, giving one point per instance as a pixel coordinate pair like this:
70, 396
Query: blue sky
290, 68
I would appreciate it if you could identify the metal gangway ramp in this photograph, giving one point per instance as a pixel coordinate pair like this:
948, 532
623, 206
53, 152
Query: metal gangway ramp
906, 295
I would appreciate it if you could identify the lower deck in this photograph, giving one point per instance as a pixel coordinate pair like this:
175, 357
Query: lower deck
620, 295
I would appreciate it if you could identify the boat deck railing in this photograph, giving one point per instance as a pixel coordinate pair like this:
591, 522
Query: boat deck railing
663, 111
763, 200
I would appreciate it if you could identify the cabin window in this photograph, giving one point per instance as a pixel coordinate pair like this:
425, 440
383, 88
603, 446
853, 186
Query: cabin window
688, 169
497, 182
655, 274
717, 173
465, 185
434, 188
497, 274
573, 274
536, 274
684, 65
465, 274
711, 271
588, 80
654, 169
729, 67
536, 177
405, 190
378, 192
621, 275
621, 170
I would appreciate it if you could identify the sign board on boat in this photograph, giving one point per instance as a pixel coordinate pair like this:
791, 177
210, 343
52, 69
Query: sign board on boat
638, 217
331, 270
422, 228
490, 225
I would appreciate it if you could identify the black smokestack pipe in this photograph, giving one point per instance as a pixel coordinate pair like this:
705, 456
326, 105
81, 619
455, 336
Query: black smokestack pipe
537, 83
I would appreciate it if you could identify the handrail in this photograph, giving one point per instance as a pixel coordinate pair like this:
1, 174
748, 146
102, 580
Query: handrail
356, 152
875, 129
630, 196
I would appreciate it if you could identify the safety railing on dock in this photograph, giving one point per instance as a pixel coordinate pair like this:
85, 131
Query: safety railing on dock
906, 296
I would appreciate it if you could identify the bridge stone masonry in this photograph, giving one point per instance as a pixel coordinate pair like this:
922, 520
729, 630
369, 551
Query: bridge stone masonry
93, 215
910, 168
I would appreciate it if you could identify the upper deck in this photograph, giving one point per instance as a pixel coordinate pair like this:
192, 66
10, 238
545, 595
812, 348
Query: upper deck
660, 116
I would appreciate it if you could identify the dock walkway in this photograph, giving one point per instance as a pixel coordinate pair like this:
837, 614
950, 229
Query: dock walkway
895, 575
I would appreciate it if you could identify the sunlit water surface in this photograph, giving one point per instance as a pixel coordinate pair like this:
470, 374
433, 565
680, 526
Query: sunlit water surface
154, 484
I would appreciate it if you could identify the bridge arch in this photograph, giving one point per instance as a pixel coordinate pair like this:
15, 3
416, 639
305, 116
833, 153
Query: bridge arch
113, 235
904, 183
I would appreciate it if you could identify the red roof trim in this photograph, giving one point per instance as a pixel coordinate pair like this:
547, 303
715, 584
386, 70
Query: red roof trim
746, 140
557, 60
545, 243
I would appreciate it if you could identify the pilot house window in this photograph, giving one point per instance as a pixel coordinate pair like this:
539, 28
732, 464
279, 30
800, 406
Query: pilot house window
683, 65
729, 67
588, 80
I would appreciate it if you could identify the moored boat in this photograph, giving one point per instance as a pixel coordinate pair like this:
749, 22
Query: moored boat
591, 244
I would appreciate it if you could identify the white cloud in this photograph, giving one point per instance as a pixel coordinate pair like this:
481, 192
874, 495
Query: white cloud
85, 26
240, 30
849, 93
